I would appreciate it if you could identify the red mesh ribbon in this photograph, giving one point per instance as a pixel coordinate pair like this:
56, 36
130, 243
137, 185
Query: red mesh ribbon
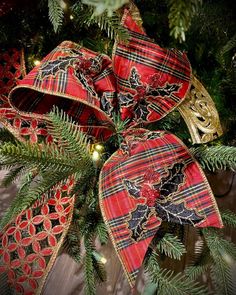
30, 243
151, 178
11, 70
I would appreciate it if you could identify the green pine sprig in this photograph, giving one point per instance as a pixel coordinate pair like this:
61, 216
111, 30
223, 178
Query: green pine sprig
85, 15
90, 284
171, 246
223, 253
228, 218
216, 157
56, 14
108, 6
180, 16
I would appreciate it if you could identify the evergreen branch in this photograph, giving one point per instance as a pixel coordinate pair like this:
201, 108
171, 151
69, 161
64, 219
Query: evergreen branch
222, 55
90, 288
201, 264
151, 264
219, 246
6, 136
222, 278
110, 24
222, 252
229, 218
169, 283
105, 5
101, 231
99, 268
67, 134
42, 155
195, 271
56, 14
216, 157
180, 15
171, 246
72, 243
11, 176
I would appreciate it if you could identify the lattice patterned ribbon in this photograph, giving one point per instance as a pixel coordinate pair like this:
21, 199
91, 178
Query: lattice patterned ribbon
152, 177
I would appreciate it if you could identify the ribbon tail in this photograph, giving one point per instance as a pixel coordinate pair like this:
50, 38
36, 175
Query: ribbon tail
151, 178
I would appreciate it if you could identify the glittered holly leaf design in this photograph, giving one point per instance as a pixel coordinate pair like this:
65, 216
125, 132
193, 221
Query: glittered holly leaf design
133, 189
134, 79
96, 66
125, 99
170, 184
85, 82
166, 90
106, 105
177, 213
73, 52
53, 67
138, 220
155, 135
141, 110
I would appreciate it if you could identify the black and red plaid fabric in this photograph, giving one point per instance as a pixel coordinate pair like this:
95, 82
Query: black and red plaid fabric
77, 80
151, 178
151, 80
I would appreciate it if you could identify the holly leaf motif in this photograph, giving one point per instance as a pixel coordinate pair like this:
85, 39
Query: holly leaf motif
137, 221
171, 182
106, 105
134, 79
141, 110
53, 67
177, 213
125, 99
167, 90
84, 81
133, 189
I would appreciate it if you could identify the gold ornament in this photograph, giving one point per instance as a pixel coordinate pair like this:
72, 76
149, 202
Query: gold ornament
200, 114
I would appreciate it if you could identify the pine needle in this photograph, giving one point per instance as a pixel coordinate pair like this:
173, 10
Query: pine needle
171, 246
216, 157
229, 218
56, 14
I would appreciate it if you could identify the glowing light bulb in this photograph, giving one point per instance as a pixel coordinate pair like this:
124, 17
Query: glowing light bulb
99, 257
96, 156
103, 260
99, 147
71, 17
37, 62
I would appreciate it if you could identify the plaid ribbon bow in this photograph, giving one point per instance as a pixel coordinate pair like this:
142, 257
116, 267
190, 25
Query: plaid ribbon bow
152, 177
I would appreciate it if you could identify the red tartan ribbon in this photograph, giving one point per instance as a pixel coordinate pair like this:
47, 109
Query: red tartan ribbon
152, 177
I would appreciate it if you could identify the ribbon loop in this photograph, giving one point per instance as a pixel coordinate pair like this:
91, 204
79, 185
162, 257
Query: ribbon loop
77, 80
151, 81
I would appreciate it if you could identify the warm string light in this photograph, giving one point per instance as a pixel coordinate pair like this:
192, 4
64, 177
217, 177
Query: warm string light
99, 257
96, 151
37, 62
